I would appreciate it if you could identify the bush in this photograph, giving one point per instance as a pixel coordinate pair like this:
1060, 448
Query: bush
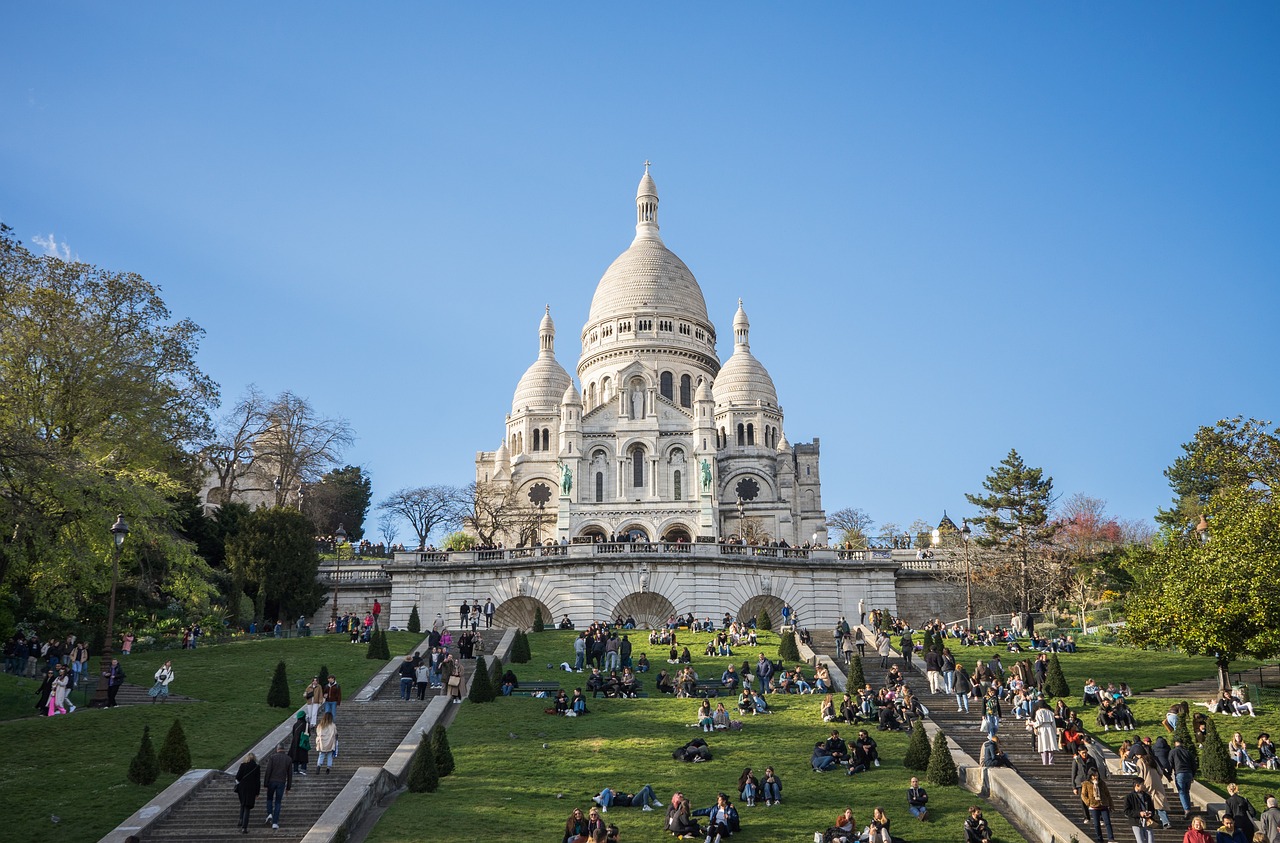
1183, 733
763, 621
459, 541
1215, 762
538, 623
378, 647
926, 642
323, 674
415, 622
175, 756
144, 768
917, 757
440, 748
520, 653
1055, 684
423, 775
481, 689
787, 650
495, 674
942, 767
857, 679
278, 696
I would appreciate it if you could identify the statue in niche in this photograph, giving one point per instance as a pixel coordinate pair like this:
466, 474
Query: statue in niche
766, 584
706, 475
566, 479
637, 403
677, 458
644, 581
522, 585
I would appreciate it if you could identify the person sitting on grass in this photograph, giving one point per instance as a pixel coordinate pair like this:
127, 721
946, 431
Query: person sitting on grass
1239, 751
822, 683
749, 787
643, 799
822, 759
917, 800
746, 702
575, 828
680, 821
976, 829
722, 818
762, 707
877, 831
664, 684
1267, 752
799, 683
842, 830
705, 717
642, 663
630, 686
578, 705
720, 718
865, 749
772, 787
827, 711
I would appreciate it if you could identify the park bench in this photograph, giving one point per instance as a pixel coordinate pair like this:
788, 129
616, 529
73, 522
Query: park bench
530, 689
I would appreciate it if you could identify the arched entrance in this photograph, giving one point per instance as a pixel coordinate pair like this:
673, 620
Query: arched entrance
677, 533
634, 533
767, 602
519, 611
595, 534
649, 610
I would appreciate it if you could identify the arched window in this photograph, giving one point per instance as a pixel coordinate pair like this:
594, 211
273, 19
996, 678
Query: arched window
742, 434
637, 467
546, 439
723, 439
666, 386
675, 483
751, 434
767, 431
599, 487
591, 396
686, 391
537, 440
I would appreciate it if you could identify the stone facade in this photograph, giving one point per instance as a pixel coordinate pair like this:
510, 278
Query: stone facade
663, 442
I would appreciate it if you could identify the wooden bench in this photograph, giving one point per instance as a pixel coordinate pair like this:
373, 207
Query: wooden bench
528, 689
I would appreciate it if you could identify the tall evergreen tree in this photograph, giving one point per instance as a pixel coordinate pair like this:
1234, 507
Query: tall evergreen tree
1215, 761
415, 622
278, 695
917, 757
1183, 733
1055, 684
495, 673
175, 755
144, 768
423, 775
539, 623
481, 690
787, 649
440, 747
857, 679
1015, 521
942, 767
763, 622
520, 653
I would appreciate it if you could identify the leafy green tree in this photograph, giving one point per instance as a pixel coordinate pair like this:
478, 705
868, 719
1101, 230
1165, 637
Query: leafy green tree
1015, 520
423, 775
175, 755
341, 497
440, 748
917, 756
274, 556
481, 689
278, 694
538, 623
1055, 684
856, 677
763, 622
144, 768
942, 767
101, 398
1215, 761
1234, 453
415, 622
787, 649
1216, 594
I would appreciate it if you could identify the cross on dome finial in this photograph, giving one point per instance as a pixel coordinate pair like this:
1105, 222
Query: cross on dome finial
646, 165
548, 310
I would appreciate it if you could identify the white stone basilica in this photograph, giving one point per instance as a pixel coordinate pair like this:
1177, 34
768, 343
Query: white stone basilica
663, 443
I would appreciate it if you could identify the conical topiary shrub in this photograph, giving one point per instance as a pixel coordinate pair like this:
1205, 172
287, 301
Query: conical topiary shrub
857, 679
539, 623
440, 748
787, 650
481, 689
144, 769
384, 647
278, 695
917, 757
323, 674
520, 653
1215, 762
415, 622
763, 621
374, 649
495, 673
175, 755
926, 641
1183, 733
942, 767
423, 775
1055, 684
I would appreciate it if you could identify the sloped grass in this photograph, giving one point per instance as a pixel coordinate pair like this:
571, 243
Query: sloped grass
73, 767
531, 769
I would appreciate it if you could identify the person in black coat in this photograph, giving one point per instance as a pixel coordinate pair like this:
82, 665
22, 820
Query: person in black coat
248, 786
298, 753
1140, 811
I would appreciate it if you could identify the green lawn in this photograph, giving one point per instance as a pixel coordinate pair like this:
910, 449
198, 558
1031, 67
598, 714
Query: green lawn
73, 767
515, 761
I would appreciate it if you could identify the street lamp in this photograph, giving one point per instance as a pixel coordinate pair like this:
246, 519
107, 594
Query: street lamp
1202, 529
118, 531
340, 538
301, 493
277, 484
742, 531
968, 576
936, 537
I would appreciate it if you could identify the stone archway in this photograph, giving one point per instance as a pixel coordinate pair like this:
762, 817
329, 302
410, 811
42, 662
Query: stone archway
677, 532
635, 533
594, 533
519, 611
650, 610
772, 605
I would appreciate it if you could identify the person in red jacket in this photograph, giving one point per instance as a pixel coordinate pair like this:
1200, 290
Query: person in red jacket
377, 610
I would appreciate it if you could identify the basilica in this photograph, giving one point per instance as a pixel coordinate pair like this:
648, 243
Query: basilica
660, 441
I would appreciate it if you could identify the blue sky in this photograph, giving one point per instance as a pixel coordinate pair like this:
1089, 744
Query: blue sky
957, 228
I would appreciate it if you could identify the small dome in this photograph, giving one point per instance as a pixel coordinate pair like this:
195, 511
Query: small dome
502, 457
783, 444
543, 384
704, 391
571, 397
743, 380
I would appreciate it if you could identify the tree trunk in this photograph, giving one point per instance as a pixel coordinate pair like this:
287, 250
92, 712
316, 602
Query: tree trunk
1224, 676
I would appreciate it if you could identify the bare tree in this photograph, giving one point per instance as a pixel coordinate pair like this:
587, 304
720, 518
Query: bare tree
426, 508
494, 511
300, 445
854, 525
231, 454
389, 527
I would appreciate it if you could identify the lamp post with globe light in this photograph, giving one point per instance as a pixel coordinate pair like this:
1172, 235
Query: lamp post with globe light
339, 539
968, 577
118, 531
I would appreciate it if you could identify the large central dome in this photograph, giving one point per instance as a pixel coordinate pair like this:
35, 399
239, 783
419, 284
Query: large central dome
647, 277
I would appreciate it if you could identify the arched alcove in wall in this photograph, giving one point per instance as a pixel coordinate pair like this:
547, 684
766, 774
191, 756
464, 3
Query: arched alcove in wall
519, 611
751, 609
649, 610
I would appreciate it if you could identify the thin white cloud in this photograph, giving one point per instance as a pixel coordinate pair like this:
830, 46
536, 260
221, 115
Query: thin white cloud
53, 248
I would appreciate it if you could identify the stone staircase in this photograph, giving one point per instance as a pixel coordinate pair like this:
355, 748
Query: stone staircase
368, 733
1053, 781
